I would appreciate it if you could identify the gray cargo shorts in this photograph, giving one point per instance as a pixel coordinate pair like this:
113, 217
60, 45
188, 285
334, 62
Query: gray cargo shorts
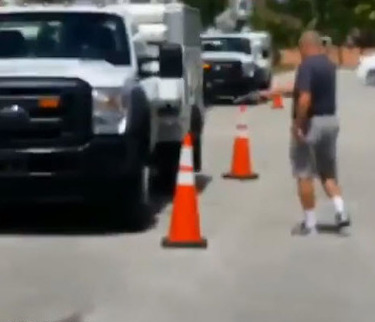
316, 157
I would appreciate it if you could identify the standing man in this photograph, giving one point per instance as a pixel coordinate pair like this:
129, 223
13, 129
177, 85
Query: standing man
315, 129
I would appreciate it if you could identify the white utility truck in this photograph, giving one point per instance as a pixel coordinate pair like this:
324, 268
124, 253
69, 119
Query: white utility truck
92, 94
235, 63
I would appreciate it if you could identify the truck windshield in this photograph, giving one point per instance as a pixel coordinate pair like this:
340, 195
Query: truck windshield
232, 44
97, 36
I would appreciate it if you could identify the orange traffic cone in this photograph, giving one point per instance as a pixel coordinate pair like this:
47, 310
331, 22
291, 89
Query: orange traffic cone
185, 227
241, 160
277, 102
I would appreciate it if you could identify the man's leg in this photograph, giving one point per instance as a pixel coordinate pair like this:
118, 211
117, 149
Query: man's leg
306, 194
327, 167
304, 171
333, 191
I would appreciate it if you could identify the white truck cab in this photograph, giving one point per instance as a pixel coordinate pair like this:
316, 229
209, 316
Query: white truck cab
92, 94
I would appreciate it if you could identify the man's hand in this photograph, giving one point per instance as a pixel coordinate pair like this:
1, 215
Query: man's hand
267, 94
299, 131
285, 90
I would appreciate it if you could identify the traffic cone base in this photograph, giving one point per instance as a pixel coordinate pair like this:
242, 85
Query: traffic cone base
253, 176
202, 243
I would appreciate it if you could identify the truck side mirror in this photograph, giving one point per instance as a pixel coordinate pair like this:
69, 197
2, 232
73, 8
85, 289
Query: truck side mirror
171, 61
265, 53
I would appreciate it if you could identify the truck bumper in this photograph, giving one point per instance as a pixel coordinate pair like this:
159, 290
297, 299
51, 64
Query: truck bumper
66, 173
229, 87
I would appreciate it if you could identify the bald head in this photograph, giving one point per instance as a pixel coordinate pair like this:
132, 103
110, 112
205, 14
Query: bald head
310, 43
311, 37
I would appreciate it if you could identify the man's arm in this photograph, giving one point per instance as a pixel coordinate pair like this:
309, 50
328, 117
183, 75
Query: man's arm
303, 105
286, 90
302, 108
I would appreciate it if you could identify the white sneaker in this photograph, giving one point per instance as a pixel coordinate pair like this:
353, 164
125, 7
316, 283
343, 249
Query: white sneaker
303, 230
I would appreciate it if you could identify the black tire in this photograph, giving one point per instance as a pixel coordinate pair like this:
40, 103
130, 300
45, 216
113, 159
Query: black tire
121, 198
130, 204
197, 154
166, 163
130, 191
126, 203
196, 128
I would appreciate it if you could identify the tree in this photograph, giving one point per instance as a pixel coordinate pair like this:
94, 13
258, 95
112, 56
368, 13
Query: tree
364, 15
283, 20
288, 19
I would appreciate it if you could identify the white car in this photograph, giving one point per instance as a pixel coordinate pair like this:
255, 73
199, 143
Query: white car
366, 69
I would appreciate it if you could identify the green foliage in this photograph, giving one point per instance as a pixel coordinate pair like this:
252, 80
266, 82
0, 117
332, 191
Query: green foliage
275, 17
365, 14
335, 18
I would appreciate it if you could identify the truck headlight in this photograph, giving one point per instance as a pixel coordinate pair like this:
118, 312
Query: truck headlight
109, 114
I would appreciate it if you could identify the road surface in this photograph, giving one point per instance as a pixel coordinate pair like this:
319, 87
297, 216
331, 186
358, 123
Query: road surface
253, 270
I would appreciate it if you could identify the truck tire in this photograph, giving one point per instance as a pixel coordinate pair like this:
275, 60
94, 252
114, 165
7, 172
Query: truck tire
166, 163
125, 194
197, 153
130, 199
196, 128
129, 206
122, 199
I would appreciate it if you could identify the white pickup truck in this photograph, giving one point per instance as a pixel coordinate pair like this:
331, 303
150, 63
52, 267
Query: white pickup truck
236, 63
83, 111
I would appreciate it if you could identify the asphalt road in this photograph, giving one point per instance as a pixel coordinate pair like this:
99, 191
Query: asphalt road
87, 270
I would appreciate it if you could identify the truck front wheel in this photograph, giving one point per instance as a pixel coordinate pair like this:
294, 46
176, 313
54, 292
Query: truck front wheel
122, 201
130, 201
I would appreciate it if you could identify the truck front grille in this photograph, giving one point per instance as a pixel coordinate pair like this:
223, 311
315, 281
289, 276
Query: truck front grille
44, 112
224, 69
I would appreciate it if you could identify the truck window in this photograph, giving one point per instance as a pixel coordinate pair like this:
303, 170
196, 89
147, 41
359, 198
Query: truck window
232, 44
79, 35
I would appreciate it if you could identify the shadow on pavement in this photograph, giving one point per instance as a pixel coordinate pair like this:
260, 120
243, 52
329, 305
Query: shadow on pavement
330, 229
74, 318
232, 102
234, 106
79, 219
